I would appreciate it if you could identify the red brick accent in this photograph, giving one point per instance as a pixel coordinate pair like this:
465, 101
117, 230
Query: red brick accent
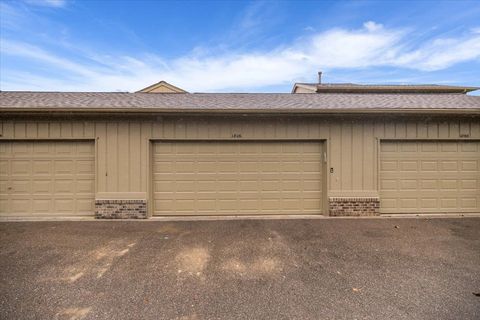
354, 206
120, 209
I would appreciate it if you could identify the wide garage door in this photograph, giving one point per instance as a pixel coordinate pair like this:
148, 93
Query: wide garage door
47, 178
430, 176
234, 178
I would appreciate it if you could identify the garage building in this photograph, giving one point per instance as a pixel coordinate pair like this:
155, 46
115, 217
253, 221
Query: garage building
328, 149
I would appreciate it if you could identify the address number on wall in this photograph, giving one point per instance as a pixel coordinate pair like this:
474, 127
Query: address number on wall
236, 135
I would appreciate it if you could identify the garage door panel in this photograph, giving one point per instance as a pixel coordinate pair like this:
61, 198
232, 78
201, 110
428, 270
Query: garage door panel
47, 177
470, 203
237, 178
62, 186
21, 149
42, 186
85, 149
429, 203
41, 149
21, 168
469, 165
311, 204
20, 187
64, 205
84, 206
85, 167
20, 205
409, 203
3, 187
449, 184
41, 167
446, 177
407, 184
470, 184
429, 184
42, 205
85, 187
448, 147
470, 147
449, 203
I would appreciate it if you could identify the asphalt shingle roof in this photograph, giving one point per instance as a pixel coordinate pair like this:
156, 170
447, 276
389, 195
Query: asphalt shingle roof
249, 102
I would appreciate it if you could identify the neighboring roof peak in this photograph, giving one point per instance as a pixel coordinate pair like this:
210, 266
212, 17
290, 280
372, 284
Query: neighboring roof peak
378, 88
162, 87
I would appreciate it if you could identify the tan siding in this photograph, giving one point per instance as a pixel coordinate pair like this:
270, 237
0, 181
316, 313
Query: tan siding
324, 131
112, 156
134, 157
89, 129
146, 134
475, 129
123, 157
123, 146
101, 133
54, 130
20, 130
346, 156
43, 130
31, 130
65, 130
357, 156
400, 130
443, 130
368, 155
335, 157
454, 130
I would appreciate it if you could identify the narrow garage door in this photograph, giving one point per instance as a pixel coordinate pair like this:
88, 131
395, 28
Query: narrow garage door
234, 178
46, 178
430, 176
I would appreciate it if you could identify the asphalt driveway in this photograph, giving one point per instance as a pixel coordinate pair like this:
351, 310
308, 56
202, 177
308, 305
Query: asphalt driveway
255, 269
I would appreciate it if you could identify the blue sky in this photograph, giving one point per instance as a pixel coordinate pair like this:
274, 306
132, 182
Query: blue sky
238, 46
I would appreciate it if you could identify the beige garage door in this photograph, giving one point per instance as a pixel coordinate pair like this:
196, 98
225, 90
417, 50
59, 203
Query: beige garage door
47, 178
429, 177
233, 178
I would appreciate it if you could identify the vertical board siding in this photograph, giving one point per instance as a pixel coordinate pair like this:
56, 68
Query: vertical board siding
345, 164
101, 158
31, 130
43, 130
146, 133
357, 157
123, 155
335, 157
112, 156
134, 157
368, 155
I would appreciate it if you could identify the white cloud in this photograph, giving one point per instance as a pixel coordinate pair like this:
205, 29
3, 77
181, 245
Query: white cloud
373, 45
48, 3
372, 26
441, 53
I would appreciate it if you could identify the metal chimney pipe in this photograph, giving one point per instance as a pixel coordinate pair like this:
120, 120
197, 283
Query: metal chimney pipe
319, 77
